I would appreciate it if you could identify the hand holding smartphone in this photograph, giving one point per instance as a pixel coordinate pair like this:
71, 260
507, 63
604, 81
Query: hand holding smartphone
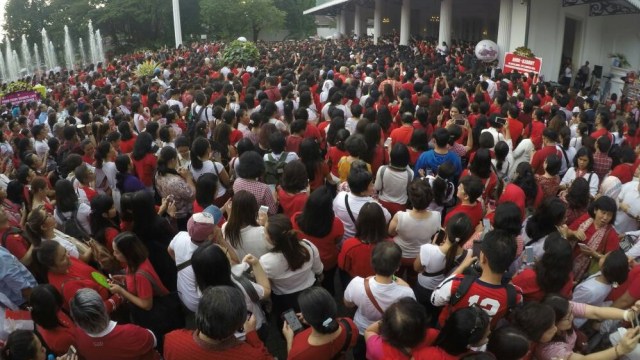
292, 320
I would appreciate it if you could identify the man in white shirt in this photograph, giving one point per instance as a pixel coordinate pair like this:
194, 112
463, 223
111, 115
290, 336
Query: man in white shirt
375, 294
492, 85
201, 230
175, 95
347, 205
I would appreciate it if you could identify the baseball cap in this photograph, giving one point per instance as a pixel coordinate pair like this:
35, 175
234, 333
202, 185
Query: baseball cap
215, 212
368, 80
576, 110
200, 226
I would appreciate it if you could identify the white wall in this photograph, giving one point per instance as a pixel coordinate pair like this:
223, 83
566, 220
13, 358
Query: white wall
518, 25
597, 37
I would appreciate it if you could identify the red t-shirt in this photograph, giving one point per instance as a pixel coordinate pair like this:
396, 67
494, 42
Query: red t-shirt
126, 146
140, 286
610, 243
401, 135
322, 171
185, 345
124, 342
380, 157
534, 132
355, 258
473, 211
89, 192
624, 172
88, 160
326, 245
515, 129
60, 338
333, 158
291, 203
15, 243
293, 143
144, 168
537, 161
235, 136
433, 353
312, 132
632, 285
301, 349
601, 132
531, 291
77, 277
491, 298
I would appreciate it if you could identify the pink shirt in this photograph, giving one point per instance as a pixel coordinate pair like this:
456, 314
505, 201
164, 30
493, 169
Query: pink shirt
562, 349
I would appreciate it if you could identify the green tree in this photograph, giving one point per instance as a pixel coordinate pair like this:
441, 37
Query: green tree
26, 17
299, 26
227, 19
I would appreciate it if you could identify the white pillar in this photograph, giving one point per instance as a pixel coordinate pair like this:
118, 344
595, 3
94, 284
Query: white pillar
446, 17
504, 29
342, 25
177, 27
357, 21
405, 22
377, 20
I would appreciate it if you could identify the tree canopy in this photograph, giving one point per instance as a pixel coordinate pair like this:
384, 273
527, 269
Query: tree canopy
131, 24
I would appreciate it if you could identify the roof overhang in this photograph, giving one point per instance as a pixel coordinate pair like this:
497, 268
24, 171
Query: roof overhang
607, 7
324, 9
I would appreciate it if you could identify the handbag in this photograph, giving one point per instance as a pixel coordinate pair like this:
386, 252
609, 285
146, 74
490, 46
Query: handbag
165, 315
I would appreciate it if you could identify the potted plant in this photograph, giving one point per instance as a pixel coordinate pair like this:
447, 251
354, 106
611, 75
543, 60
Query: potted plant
619, 60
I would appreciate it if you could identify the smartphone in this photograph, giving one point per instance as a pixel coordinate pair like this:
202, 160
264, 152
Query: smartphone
584, 246
387, 142
459, 119
292, 320
501, 120
529, 258
264, 209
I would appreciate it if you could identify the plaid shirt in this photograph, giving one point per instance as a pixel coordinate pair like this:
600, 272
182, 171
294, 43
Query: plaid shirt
601, 164
261, 191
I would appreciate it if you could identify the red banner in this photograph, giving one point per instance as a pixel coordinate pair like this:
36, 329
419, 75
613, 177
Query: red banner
521, 64
20, 97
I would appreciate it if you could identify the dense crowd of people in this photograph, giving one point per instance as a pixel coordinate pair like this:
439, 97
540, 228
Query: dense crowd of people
337, 197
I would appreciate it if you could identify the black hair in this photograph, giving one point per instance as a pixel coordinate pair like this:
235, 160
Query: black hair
508, 217
319, 309
604, 203
481, 164
385, 258
499, 247
441, 136
399, 156
359, 177
420, 194
404, 324
534, 319
206, 189
285, 241
251, 165
66, 196
356, 146
20, 345
211, 267
317, 216
45, 302
464, 327
472, 186
294, 177
199, 149
167, 154
371, 225
142, 146
554, 269
508, 343
549, 214
616, 267
101, 204
554, 164
525, 180
459, 230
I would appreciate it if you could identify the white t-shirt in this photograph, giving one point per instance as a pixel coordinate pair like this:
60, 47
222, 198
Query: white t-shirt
287, 281
591, 177
208, 167
630, 196
385, 295
280, 125
413, 233
392, 185
172, 102
355, 204
71, 248
252, 241
592, 292
41, 147
83, 216
183, 248
291, 156
351, 124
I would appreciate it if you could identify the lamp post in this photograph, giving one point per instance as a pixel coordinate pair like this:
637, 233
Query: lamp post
177, 28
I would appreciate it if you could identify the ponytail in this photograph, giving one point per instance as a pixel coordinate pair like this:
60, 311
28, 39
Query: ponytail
285, 241
459, 230
199, 149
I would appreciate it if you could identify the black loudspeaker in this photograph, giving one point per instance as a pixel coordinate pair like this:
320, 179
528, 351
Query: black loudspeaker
597, 71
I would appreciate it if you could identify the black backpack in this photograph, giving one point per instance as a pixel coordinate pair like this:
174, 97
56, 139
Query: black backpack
71, 226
